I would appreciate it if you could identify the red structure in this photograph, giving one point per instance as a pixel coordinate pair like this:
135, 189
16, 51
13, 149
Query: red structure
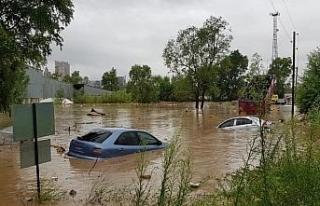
252, 107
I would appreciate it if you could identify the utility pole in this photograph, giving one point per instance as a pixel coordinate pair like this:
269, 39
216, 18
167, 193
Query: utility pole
293, 72
275, 38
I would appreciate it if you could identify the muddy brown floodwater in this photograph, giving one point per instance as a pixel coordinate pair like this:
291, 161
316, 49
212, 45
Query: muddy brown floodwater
214, 153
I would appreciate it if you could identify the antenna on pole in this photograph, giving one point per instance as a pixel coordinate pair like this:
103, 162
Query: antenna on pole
275, 38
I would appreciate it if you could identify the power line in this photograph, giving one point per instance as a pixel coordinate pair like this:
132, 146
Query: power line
273, 6
290, 17
285, 30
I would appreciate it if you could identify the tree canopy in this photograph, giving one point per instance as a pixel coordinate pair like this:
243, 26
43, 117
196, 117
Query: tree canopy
308, 93
231, 78
195, 52
110, 81
31, 26
27, 29
281, 68
141, 83
75, 78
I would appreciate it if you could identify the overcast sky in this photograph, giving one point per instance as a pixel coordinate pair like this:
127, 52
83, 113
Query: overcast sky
122, 33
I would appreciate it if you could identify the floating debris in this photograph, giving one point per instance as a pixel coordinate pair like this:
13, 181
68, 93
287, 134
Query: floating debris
59, 149
72, 192
87, 123
147, 177
94, 112
194, 185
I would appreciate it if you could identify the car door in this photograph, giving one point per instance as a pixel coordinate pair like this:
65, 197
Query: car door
243, 123
127, 143
149, 142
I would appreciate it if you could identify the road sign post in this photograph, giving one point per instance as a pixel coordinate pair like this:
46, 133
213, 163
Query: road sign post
29, 123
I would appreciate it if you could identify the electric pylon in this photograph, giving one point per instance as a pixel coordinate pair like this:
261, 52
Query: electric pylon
275, 38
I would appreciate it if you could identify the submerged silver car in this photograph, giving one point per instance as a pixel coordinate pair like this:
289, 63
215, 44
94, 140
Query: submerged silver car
244, 122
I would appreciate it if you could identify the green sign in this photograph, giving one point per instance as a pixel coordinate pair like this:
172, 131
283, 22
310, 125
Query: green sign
23, 120
27, 153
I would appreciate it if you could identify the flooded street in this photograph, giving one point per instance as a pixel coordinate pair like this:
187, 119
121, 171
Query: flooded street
213, 152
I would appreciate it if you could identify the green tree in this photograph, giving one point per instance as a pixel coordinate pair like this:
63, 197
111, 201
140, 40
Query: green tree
141, 84
166, 89
281, 69
75, 78
163, 89
256, 66
59, 93
55, 76
13, 83
156, 84
257, 88
231, 78
27, 29
110, 80
182, 90
308, 93
195, 52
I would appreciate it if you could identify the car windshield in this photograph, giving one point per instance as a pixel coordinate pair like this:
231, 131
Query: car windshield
96, 136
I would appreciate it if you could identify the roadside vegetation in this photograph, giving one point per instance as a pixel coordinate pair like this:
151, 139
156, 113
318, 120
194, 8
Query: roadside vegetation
50, 193
172, 189
288, 174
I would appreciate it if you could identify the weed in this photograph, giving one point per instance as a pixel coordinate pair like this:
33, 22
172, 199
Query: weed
50, 193
142, 188
177, 173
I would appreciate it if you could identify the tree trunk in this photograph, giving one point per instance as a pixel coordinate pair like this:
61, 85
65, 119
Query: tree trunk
202, 100
197, 102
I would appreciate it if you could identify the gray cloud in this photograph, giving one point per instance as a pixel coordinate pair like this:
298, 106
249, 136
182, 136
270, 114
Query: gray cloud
106, 34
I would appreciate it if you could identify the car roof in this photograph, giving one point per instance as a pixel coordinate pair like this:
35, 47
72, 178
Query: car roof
254, 118
237, 117
116, 129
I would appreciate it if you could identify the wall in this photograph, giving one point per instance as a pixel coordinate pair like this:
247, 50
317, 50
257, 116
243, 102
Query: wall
41, 87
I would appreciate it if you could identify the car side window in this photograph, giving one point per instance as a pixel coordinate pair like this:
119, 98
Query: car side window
228, 123
128, 138
243, 121
147, 139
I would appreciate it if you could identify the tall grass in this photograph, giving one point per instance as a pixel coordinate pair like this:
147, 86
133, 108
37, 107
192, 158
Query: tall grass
176, 175
170, 188
50, 193
287, 174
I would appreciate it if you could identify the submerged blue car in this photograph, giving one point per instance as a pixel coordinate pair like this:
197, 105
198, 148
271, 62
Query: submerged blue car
112, 142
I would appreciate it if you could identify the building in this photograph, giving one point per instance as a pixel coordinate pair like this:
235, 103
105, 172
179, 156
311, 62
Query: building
62, 69
46, 73
86, 80
94, 83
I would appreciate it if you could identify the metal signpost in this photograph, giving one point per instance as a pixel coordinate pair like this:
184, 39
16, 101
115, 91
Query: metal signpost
31, 121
